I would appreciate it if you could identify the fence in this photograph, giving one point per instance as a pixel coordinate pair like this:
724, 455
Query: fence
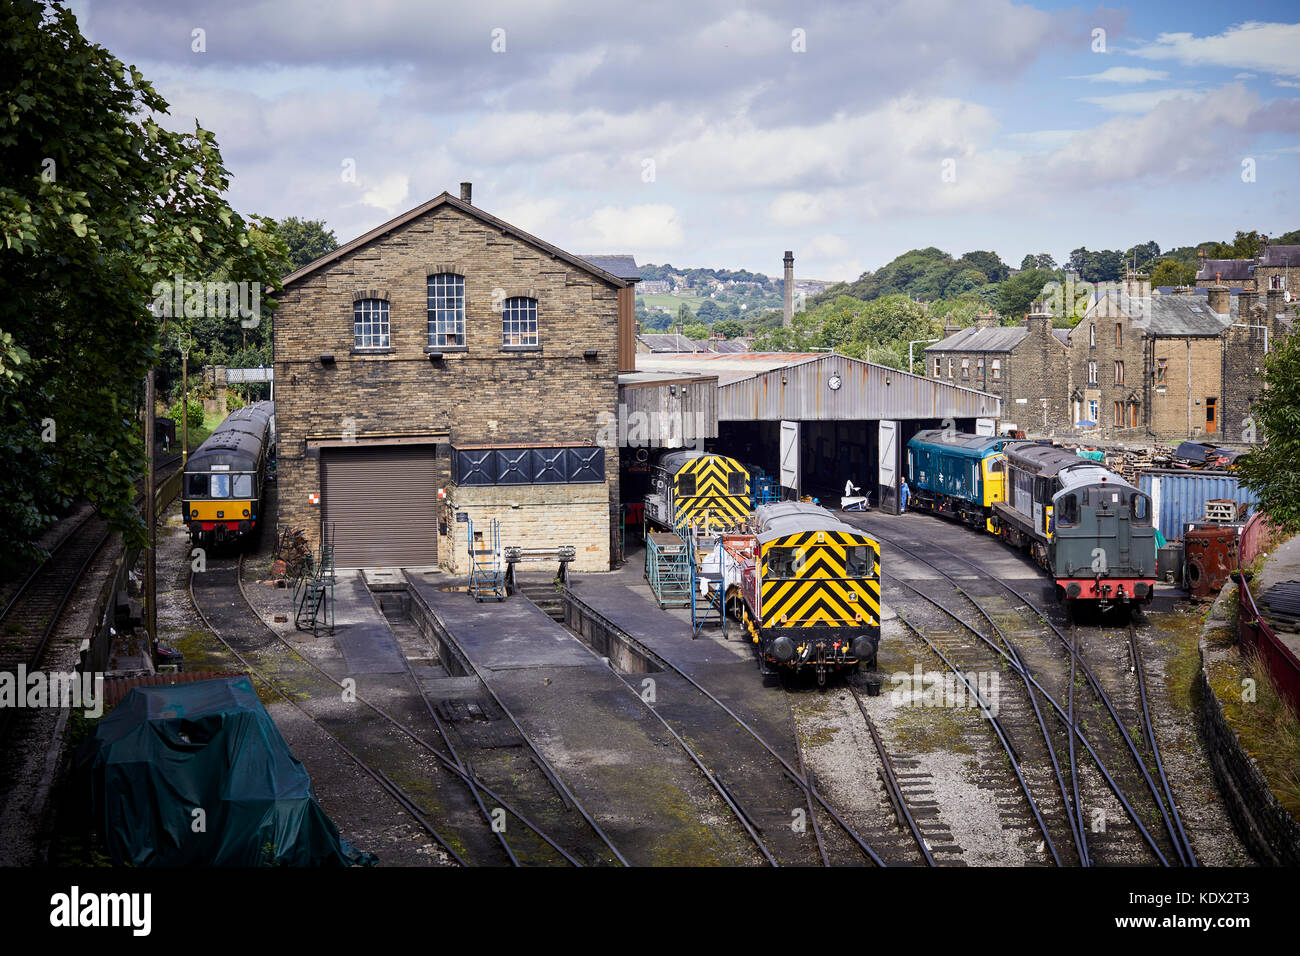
1256, 636
1258, 536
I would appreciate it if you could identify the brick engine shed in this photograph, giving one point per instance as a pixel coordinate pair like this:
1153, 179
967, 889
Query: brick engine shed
443, 368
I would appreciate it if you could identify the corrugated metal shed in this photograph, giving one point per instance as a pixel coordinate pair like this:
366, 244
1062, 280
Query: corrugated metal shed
1179, 497
771, 386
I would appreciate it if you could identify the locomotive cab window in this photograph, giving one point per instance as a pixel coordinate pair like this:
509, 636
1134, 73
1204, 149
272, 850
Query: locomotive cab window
1067, 512
1141, 509
860, 561
243, 486
735, 483
220, 486
196, 486
784, 563
686, 485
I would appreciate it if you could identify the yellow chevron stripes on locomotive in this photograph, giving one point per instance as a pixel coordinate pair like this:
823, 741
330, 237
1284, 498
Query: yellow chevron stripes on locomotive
729, 509
712, 493
823, 593
826, 602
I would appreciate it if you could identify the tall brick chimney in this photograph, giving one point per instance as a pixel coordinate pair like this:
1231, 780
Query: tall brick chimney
466, 190
986, 320
788, 286
1039, 321
1220, 299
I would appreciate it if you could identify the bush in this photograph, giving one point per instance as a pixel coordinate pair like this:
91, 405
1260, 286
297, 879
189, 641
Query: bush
234, 401
195, 413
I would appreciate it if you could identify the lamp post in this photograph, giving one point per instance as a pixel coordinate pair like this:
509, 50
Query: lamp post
183, 342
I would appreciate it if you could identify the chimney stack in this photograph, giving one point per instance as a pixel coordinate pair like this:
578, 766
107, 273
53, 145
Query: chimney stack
1220, 299
1039, 320
1276, 303
466, 190
986, 320
1246, 305
788, 286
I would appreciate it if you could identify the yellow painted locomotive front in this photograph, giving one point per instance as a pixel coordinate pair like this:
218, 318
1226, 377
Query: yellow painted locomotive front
711, 493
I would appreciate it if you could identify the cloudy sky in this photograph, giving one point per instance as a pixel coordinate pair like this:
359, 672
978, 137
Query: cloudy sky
720, 134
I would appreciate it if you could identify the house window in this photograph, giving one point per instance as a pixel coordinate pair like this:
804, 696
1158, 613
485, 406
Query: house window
1275, 281
1119, 333
979, 368
1119, 373
997, 370
1092, 409
1092, 371
950, 368
446, 310
1092, 336
938, 367
1162, 371
370, 324
1119, 414
519, 321
965, 368
1133, 416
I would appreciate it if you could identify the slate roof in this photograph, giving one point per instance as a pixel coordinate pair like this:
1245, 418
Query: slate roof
623, 266
1274, 255
1227, 270
1178, 315
1000, 338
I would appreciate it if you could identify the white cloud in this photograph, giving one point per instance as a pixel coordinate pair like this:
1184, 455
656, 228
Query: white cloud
390, 193
797, 209
1124, 74
1141, 102
619, 228
1266, 47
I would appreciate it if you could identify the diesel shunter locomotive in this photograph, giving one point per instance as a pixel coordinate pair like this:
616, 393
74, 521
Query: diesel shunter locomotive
810, 588
221, 490
1085, 524
692, 489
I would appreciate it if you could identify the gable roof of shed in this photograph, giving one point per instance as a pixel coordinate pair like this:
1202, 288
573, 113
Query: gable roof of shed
446, 199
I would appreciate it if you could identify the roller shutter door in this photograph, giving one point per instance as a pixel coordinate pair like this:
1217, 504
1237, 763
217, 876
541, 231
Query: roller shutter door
381, 504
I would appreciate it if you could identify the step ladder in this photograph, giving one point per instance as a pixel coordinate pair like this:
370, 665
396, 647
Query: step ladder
487, 571
708, 583
314, 593
668, 568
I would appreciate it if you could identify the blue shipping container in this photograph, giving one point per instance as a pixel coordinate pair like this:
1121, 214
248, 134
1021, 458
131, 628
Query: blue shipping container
1178, 497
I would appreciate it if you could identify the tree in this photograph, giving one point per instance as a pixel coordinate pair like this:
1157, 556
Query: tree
710, 312
101, 208
684, 314
307, 239
1172, 272
728, 328
988, 263
1272, 470
1018, 294
695, 330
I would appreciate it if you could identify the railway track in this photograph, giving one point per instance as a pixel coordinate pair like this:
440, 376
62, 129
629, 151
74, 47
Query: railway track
33, 611
474, 820
1099, 716
764, 807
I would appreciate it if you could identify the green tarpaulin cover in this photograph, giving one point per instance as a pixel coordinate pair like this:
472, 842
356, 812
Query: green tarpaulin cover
198, 775
1090, 455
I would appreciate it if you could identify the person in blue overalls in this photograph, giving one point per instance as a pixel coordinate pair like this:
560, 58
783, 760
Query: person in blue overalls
903, 493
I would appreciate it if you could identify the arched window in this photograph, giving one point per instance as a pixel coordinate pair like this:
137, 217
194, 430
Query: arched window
519, 322
446, 310
370, 324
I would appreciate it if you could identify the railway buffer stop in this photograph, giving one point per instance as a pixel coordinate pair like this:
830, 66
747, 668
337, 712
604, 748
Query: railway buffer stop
815, 420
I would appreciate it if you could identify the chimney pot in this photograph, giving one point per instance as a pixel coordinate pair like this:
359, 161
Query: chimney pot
466, 191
